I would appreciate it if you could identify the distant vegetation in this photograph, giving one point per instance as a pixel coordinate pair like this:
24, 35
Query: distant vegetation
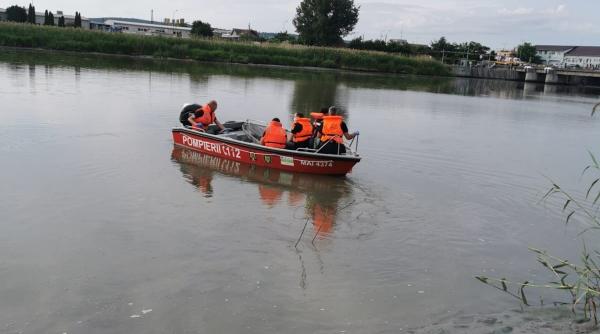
201, 29
46, 37
391, 46
325, 22
19, 14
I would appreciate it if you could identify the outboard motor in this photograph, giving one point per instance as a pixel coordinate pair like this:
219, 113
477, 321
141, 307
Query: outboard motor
185, 112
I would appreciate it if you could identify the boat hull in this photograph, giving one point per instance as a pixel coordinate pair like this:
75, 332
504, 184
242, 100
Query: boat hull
287, 160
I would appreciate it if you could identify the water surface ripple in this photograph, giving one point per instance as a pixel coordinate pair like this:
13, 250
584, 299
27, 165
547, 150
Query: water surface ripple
107, 228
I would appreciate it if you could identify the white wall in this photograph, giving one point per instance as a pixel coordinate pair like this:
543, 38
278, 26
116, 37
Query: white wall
584, 62
150, 30
552, 57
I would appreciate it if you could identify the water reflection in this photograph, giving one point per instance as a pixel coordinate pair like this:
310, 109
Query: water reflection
319, 196
312, 89
312, 93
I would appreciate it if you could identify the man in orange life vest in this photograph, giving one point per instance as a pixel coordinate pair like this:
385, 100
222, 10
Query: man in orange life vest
274, 135
333, 130
302, 132
202, 117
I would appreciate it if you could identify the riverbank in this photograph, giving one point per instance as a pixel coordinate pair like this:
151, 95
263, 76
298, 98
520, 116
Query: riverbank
78, 40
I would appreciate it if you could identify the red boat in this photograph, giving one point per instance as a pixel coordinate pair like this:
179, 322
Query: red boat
241, 142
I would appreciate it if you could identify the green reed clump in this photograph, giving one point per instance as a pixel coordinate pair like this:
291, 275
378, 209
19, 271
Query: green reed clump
581, 281
79, 40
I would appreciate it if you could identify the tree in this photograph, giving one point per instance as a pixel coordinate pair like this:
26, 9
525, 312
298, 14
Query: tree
472, 50
61, 21
325, 22
16, 14
443, 50
50, 19
526, 52
77, 21
283, 36
203, 29
31, 14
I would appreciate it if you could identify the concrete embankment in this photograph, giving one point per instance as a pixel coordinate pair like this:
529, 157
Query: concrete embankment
545, 76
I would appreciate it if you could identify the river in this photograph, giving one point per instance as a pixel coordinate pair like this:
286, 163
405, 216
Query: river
107, 228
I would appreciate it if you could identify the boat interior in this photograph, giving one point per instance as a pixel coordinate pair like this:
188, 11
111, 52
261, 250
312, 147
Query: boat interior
251, 131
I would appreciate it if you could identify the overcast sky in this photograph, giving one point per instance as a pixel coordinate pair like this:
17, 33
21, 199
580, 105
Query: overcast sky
497, 24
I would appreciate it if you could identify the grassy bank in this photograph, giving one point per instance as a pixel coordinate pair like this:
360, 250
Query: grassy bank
79, 40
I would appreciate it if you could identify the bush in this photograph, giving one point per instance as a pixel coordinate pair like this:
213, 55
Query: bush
47, 37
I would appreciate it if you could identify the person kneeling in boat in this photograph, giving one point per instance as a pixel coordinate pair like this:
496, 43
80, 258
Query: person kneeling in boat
274, 135
302, 132
333, 131
205, 116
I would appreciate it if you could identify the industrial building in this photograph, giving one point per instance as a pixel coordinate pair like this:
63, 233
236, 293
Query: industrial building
140, 27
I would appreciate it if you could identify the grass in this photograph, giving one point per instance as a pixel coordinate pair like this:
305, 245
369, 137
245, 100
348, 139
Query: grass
79, 40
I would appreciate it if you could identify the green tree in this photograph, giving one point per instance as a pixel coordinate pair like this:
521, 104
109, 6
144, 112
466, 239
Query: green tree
77, 21
61, 21
526, 52
203, 29
31, 14
283, 36
16, 14
444, 50
472, 50
325, 22
50, 19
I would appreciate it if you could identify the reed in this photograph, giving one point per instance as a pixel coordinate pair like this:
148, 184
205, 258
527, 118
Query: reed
213, 50
580, 280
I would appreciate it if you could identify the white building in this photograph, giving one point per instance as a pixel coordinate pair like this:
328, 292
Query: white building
148, 29
587, 57
553, 54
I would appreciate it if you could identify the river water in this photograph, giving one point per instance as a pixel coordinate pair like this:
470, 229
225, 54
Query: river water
107, 228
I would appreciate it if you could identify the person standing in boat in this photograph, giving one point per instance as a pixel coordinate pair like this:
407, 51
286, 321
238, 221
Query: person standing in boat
301, 133
333, 130
275, 135
204, 116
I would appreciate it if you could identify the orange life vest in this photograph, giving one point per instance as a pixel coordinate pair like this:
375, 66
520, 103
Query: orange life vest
208, 116
275, 135
332, 128
306, 131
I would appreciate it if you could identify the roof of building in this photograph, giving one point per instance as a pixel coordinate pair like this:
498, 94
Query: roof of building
244, 32
553, 47
585, 51
149, 25
98, 19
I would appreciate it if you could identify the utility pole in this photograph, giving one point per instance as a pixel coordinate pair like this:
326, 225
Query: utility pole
152, 15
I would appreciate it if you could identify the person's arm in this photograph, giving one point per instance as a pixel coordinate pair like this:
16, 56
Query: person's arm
219, 124
350, 136
297, 128
195, 126
347, 135
191, 119
262, 139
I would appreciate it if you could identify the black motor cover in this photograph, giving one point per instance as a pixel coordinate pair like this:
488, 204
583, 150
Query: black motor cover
185, 113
